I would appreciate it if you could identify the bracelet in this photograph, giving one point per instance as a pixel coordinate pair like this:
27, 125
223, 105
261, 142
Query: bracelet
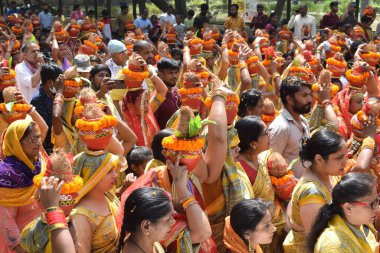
368, 143
185, 199
194, 202
326, 103
32, 109
51, 209
218, 92
188, 201
57, 226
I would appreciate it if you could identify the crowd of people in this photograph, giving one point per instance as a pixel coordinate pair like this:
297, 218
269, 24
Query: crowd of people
172, 135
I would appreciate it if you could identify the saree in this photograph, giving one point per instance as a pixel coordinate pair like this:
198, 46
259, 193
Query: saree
224, 194
263, 188
145, 128
306, 192
342, 102
178, 239
317, 121
233, 241
341, 237
17, 204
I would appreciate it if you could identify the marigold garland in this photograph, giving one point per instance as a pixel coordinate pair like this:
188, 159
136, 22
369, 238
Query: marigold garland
195, 41
252, 59
208, 42
268, 118
203, 75
106, 121
335, 62
173, 143
79, 108
138, 76
357, 80
189, 91
16, 30
73, 82
230, 98
11, 75
92, 45
16, 107
335, 48
283, 180
68, 187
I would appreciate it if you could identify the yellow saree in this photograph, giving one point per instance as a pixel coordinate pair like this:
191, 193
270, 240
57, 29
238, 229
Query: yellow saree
341, 237
306, 192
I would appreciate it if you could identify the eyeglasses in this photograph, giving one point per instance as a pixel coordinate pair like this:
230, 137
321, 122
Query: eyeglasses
35, 139
373, 204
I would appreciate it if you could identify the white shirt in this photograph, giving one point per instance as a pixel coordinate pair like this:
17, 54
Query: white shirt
165, 18
299, 24
113, 67
24, 81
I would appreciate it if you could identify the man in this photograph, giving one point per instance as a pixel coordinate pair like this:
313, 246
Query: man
12, 9
28, 71
143, 22
44, 101
122, 20
260, 20
202, 18
234, 21
304, 24
363, 31
46, 18
287, 130
83, 63
168, 16
119, 56
349, 16
165, 106
330, 20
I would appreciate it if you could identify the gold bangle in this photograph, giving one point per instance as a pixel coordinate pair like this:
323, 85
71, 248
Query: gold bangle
57, 226
187, 202
51, 209
194, 202
220, 93
368, 143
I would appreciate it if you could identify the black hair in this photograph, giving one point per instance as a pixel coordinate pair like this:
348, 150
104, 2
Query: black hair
246, 215
323, 142
76, 6
139, 155
248, 99
366, 19
235, 5
90, 12
176, 51
50, 72
354, 46
332, 4
96, 59
249, 129
290, 86
260, 6
157, 144
168, 63
272, 15
204, 7
352, 187
98, 68
191, 12
146, 203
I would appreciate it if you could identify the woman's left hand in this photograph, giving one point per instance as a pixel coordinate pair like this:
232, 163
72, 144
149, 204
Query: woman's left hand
49, 191
20, 98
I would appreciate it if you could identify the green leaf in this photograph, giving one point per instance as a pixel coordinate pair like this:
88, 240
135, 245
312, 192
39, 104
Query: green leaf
9, 106
194, 126
178, 134
208, 121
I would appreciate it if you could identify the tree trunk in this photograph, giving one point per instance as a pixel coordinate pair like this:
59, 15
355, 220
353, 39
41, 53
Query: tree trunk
180, 6
280, 5
161, 4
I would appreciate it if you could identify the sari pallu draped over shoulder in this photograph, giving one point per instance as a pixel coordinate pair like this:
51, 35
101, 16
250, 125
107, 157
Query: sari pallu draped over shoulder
16, 170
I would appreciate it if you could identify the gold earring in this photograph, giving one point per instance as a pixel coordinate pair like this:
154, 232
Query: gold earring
249, 244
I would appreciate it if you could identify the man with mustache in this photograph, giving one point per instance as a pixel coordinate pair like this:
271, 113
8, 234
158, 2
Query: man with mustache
234, 21
288, 129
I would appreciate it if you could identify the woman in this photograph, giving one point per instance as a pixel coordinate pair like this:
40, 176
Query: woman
251, 103
248, 226
273, 20
77, 14
22, 160
140, 117
345, 224
148, 217
324, 155
254, 140
158, 157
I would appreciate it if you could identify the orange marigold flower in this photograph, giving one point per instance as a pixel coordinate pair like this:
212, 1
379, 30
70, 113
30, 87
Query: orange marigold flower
173, 143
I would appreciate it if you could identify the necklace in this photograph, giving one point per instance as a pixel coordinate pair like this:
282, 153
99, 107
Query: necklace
327, 186
255, 165
133, 241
